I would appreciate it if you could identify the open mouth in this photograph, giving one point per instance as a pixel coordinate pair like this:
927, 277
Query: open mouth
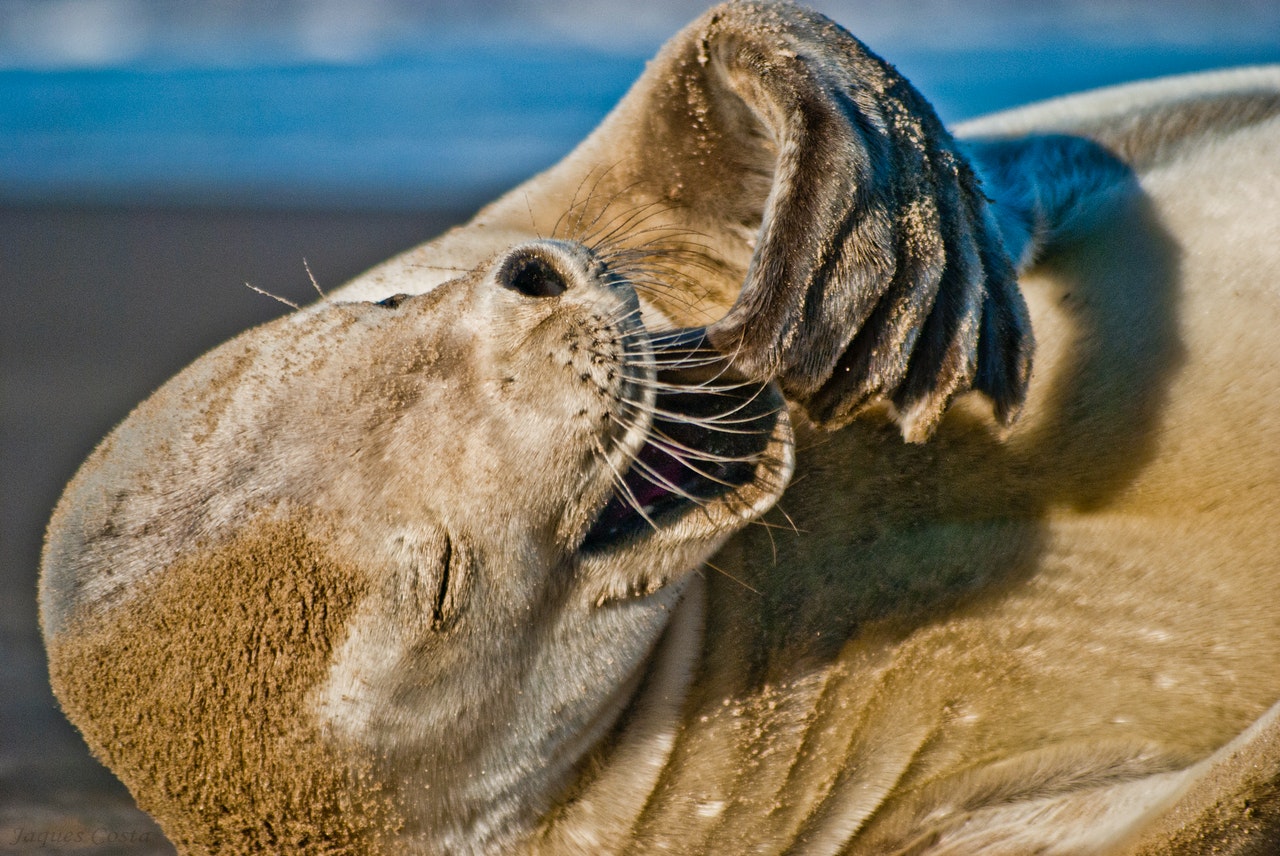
709, 438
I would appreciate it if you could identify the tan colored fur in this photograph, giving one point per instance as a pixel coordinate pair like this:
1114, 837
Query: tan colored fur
214, 667
1060, 638
1061, 619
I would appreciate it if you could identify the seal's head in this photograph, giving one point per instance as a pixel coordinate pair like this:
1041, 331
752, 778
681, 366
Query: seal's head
499, 490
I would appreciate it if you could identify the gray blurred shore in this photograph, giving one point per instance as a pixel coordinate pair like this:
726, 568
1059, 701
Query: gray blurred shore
101, 306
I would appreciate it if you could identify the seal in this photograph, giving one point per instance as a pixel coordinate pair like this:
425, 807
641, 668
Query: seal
464, 563
509, 476
793, 184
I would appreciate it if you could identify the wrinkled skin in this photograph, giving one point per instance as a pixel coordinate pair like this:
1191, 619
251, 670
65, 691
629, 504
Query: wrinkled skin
384, 593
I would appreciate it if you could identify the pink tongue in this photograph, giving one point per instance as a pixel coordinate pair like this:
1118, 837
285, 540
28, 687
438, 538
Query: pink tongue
648, 493
651, 487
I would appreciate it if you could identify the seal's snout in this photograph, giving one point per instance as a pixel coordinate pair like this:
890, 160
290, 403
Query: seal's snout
532, 274
556, 268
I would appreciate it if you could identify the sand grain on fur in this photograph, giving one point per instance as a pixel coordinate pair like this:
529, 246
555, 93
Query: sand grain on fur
196, 697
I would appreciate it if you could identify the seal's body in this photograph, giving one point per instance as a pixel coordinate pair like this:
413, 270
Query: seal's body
425, 575
1063, 638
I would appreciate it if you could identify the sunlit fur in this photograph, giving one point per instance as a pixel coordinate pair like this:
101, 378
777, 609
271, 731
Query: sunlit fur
1117, 546
533, 406
1053, 634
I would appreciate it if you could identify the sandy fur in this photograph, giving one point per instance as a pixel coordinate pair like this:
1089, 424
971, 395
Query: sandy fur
214, 667
1096, 588
1057, 637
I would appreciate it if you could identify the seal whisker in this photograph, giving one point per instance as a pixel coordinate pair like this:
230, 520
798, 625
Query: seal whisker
618, 318
669, 292
657, 272
708, 391
661, 342
682, 351
425, 266
666, 243
533, 223
775, 527
590, 233
683, 451
646, 267
671, 334
674, 358
688, 362
790, 527
275, 297
650, 265
731, 577
659, 258
684, 354
621, 488
716, 383
602, 233
714, 423
711, 424
627, 223
324, 298
709, 387
657, 479
716, 417
573, 202
659, 276
582, 206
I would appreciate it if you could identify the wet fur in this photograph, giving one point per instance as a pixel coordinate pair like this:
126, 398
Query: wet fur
1059, 637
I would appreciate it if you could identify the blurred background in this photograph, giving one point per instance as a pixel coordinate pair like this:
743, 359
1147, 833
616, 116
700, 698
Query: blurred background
156, 155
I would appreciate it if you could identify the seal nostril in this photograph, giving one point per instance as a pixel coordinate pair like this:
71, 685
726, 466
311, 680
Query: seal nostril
534, 277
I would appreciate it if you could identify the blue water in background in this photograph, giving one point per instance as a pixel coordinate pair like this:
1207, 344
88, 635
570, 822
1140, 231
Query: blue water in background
415, 131
391, 133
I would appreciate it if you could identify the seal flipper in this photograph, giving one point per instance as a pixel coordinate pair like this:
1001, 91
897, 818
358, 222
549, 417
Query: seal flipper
879, 272
769, 171
1046, 188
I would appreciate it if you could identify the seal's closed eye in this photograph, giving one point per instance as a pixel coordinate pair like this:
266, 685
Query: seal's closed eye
393, 301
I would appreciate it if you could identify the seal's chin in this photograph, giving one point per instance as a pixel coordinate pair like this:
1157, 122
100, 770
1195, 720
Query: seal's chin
711, 450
